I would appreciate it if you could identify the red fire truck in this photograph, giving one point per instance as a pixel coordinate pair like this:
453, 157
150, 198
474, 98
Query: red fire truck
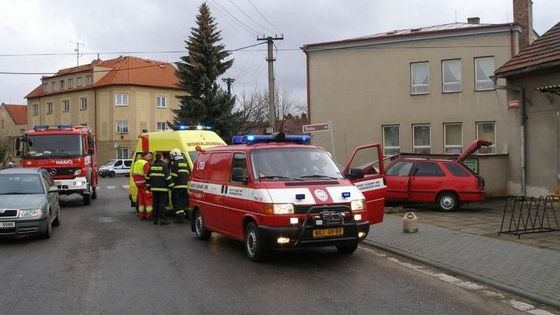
67, 152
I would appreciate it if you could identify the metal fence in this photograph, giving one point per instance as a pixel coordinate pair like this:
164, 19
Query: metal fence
525, 215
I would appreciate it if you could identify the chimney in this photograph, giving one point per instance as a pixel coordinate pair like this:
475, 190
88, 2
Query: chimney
473, 20
523, 16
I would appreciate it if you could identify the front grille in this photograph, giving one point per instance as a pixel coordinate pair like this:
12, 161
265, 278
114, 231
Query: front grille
55, 171
6, 213
303, 209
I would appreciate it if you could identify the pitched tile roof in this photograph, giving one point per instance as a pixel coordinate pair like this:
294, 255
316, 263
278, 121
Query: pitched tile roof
17, 112
542, 53
413, 33
125, 70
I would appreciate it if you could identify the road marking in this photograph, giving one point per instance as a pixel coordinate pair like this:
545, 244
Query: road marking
110, 187
125, 186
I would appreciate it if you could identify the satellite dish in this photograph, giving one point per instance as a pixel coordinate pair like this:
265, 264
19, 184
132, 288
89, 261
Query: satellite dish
115, 145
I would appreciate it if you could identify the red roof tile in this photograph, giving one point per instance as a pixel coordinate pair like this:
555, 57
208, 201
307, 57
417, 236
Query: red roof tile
121, 71
17, 112
543, 52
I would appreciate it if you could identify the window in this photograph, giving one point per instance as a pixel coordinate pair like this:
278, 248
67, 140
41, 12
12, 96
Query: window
70, 83
45, 86
122, 126
391, 144
453, 138
49, 108
53, 86
428, 169
65, 105
83, 103
62, 84
483, 69
421, 139
122, 153
121, 99
161, 101
486, 131
79, 81
456, 169
451, 73
419, 78
239, 171
161, 126
35, 109
88, 80
400, 169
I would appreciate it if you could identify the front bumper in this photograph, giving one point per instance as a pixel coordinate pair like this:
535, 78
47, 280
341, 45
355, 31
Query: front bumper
26, 227
303, 236
78, 185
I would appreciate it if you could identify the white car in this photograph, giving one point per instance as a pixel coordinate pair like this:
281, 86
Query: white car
115, 167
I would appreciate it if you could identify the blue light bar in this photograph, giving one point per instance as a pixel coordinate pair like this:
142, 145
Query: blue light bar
186, 127
300, 196
346, 194
252, 139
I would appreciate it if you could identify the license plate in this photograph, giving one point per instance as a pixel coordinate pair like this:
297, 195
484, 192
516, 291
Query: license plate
318, 233
7, 225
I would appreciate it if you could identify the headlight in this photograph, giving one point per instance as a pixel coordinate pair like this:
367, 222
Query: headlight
31, 213
78, 183
280, 208
78, 172
358, 205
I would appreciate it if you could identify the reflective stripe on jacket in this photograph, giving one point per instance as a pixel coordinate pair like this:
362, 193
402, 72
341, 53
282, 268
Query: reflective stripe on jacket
138, 173
158, 178
180, 174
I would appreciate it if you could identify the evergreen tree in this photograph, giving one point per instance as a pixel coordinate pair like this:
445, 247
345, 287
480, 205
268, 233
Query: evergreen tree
205, 103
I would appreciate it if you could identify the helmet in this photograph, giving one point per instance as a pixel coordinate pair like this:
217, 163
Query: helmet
176, 154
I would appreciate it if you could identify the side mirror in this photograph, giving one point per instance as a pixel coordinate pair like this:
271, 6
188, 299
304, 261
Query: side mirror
355, 173
53, 189
91, 145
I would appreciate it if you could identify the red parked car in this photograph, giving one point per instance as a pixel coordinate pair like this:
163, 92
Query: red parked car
447, 183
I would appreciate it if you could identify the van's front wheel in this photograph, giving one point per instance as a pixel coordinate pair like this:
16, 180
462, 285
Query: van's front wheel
254, 244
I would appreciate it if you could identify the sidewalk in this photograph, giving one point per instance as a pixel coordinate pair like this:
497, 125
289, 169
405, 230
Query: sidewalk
522, 269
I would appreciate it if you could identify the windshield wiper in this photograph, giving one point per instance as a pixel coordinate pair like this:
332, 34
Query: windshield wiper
317, 176
275, 177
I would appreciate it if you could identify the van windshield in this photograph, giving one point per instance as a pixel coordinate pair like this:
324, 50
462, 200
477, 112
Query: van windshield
293, 164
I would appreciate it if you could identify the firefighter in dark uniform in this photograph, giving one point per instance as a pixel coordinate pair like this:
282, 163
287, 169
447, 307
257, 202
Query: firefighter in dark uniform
158, 180
180, 178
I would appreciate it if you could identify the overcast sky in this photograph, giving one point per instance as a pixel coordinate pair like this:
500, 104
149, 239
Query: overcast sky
139, 26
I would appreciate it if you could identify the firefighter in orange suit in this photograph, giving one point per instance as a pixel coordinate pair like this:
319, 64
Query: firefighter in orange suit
144, 197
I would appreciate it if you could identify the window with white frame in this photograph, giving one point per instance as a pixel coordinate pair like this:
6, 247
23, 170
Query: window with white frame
35, 109
391, 143
66, 105
161, 126
122, 153
421, 139
122, 126
83, 103
79, 81
419, 78
121, 99
161, 101
451, 75
70, 83
453, 138
49, 108
486, 130
483, 69
88, 80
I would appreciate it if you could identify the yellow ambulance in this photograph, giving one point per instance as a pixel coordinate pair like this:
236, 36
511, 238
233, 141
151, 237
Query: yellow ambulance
184, 138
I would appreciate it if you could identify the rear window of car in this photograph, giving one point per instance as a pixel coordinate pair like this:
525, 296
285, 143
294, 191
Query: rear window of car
456, 170
428, 169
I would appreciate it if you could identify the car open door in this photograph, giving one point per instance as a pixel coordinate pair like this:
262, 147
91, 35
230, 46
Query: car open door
366, 170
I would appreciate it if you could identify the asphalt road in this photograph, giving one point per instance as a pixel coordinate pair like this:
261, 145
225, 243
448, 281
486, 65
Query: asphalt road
103, 260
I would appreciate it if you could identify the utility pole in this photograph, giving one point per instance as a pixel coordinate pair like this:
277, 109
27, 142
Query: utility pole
228, 81
77, 50
271, 108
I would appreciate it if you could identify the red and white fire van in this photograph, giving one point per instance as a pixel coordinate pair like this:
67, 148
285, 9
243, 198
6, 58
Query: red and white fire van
279, 191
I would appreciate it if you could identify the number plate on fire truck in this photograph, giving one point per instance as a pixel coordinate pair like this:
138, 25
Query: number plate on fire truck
319, 233
7, 225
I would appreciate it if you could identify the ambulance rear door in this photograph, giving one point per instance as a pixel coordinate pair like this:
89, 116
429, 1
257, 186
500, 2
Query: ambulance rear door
366, 171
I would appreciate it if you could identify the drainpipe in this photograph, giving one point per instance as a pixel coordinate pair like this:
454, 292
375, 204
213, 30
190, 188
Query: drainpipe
522, 134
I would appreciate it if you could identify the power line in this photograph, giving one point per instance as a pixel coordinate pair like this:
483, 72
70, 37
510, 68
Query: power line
243, 25
247, 15
264, 17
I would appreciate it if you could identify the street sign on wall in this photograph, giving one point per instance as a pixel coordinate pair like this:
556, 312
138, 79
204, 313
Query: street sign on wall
315, 128
513, 104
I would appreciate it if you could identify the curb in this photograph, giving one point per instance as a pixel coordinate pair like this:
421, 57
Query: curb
459, 271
